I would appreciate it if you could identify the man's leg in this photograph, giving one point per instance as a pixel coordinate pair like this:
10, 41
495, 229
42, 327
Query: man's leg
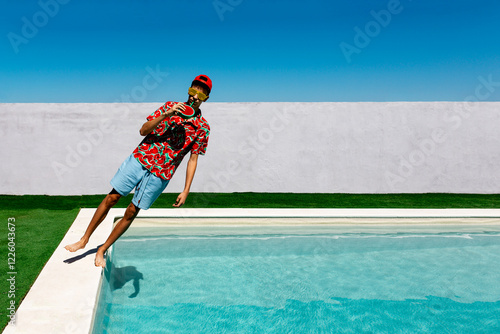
118, 230
102, 210
147, 191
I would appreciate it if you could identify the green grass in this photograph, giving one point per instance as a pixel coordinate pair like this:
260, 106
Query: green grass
42, 221
37, 233
265, 200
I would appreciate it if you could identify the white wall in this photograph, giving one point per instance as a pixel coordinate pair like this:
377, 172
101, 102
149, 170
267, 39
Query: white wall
397, 147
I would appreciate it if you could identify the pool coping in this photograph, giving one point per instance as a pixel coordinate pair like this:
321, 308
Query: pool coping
64, 295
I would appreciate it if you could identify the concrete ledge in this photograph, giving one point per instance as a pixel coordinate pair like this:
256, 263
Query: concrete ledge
63, 297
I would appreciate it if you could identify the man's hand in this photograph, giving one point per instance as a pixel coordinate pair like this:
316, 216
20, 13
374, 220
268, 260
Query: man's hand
149, 126
178, 106
181, 199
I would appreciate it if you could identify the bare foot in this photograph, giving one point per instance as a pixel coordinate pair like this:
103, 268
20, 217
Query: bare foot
76, 246
99, 259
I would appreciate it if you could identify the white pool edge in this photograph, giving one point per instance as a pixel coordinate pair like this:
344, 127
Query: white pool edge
64, 296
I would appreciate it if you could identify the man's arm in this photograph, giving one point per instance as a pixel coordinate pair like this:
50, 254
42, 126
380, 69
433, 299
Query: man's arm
149, 126
191, 168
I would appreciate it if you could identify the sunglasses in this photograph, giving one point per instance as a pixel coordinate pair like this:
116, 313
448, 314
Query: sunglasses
193, 92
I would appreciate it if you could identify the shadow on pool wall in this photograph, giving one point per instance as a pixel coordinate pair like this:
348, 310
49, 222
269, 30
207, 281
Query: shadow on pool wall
118, 277
113, 278
368, 147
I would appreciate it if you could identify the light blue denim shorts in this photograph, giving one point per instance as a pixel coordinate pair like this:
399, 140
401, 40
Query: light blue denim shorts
132, 174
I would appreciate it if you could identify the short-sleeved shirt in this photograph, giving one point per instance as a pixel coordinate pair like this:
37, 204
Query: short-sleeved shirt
162, 151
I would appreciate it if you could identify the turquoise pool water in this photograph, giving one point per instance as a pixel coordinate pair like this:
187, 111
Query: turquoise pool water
253, 280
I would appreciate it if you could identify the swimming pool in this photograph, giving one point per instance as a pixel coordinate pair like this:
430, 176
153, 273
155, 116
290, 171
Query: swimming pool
286, 276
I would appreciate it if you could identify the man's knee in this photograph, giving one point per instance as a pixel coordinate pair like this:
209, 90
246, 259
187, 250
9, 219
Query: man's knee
112, 198
131, 211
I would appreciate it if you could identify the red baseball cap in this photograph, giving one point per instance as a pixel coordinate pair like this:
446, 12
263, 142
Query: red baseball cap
205, 80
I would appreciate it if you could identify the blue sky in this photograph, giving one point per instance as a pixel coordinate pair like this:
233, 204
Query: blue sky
254, 50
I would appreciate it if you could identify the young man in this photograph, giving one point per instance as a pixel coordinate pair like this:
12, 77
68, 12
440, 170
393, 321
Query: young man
170, 135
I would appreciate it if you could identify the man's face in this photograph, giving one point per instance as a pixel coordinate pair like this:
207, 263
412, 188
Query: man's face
196, 99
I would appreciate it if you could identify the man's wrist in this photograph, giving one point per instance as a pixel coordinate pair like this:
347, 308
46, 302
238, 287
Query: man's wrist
166, 113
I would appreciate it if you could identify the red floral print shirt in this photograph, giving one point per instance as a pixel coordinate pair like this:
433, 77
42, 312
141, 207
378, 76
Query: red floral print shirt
162, 151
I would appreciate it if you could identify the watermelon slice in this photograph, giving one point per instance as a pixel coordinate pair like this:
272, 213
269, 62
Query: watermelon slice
187, 113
